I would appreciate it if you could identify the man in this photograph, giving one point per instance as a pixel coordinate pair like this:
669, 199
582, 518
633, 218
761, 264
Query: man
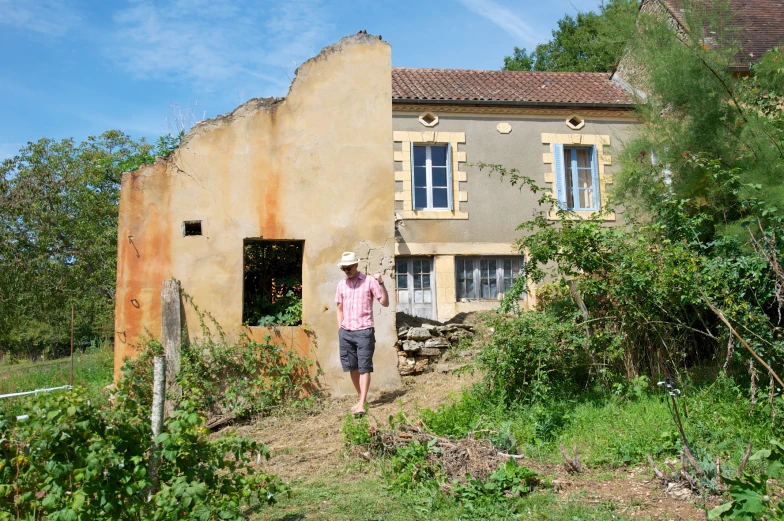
354, 297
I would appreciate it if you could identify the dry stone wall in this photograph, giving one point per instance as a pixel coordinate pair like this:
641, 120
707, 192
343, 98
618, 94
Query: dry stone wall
420, 348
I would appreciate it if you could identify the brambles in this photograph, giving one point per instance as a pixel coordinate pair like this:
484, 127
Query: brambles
75, 460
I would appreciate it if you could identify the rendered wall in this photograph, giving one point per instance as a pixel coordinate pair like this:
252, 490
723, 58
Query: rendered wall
313, 166
494, 207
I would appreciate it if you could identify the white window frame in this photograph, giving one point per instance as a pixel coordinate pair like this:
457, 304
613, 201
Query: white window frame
429, 179
575, 171
501, 289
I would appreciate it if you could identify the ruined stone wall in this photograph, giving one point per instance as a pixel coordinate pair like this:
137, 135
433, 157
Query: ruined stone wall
314, 166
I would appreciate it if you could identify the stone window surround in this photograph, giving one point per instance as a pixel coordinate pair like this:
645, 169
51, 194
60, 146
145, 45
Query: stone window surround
599, 141
404, 174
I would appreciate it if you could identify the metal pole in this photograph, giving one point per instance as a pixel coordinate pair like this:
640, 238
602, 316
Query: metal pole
72, 335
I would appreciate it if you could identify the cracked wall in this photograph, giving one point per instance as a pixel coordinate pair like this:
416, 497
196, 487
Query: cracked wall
313, 166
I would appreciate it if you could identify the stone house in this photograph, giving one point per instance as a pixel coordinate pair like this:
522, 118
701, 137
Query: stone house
365, 157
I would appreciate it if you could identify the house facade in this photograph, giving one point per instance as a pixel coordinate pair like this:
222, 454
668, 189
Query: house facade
456, 225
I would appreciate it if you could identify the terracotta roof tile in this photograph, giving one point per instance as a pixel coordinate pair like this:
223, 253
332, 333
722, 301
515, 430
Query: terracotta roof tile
511, 86
759, 23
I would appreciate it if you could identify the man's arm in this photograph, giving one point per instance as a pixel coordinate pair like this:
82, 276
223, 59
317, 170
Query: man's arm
340, 314
384, 300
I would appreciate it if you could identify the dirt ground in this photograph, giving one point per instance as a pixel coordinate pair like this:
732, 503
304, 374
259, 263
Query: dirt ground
312, 444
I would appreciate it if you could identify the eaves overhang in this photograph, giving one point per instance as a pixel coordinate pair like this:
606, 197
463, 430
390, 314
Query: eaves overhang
505, 103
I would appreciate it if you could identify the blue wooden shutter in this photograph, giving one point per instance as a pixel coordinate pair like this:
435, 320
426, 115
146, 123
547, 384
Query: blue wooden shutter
413, 190
449, 197
560, 175
597, 204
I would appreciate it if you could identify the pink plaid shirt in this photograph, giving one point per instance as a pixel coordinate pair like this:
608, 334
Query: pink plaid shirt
357, 299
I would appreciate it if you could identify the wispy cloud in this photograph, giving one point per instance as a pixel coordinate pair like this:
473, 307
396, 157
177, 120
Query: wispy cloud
213, 43
504, 18
50, 17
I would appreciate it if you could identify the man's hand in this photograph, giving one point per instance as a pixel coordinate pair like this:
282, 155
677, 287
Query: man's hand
384, 300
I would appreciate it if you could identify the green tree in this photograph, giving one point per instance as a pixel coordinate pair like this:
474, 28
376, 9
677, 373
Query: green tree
697, 111
58, 237
590, 43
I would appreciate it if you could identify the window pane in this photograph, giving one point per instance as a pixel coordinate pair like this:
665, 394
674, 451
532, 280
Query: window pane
585, 178
419, 156
470, 288
438, 156
440, 198
426, 280
583, 158
586, 199
428, 297
439, 177
420, 198
569, 178
417, 281
419, 297
402, 276
420, 176
402, 296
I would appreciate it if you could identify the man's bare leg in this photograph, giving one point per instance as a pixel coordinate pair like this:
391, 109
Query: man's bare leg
355, 380
364, 386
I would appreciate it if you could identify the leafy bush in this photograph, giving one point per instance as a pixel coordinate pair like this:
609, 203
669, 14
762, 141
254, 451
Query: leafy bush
244, 378
412, 468
509, 480
534, 355
74, 460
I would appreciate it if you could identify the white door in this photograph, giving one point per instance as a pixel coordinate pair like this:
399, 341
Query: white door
416, 286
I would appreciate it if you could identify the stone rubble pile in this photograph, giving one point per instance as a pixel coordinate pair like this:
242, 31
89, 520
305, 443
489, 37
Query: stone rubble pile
420, 348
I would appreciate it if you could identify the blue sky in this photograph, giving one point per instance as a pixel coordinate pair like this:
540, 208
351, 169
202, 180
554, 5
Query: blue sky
74, 68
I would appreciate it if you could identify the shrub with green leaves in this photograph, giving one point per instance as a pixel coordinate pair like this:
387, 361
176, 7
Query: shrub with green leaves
72, 459
356, 430
533, 355
751, 499
509, 480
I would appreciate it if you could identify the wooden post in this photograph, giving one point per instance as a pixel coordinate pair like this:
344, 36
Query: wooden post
72, 336
171, 335
156, 419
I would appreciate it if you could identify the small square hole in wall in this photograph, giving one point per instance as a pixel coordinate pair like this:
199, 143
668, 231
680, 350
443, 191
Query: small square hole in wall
191, 228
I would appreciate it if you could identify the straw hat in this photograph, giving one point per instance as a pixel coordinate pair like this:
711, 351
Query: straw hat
349, 258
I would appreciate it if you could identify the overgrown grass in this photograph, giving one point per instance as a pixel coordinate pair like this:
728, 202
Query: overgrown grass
358, 492
611, 430
93, 370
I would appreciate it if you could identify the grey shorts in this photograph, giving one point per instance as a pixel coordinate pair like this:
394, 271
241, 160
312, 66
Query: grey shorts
356, 349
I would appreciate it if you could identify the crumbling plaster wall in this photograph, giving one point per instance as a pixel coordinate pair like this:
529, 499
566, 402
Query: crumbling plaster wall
313, 166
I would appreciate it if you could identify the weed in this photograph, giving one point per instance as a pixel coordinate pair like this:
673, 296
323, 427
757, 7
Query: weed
356, 430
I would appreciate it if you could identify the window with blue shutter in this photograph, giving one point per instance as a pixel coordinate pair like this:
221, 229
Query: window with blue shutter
577, 178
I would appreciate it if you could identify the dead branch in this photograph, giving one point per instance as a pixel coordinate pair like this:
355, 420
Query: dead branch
743, 462
719, 481
737, 335
659, 473
572, 465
